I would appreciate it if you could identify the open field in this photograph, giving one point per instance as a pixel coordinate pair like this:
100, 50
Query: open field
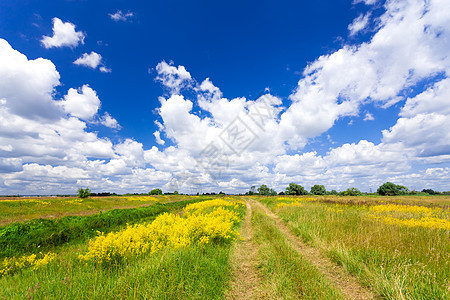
253, 247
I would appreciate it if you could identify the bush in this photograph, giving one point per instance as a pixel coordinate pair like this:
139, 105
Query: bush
84, 193
156, 192
351, 192
391, 189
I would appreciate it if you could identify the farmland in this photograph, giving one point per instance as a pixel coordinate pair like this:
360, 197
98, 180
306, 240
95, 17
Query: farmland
225, 247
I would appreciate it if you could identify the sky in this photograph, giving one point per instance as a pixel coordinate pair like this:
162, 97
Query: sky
209, 96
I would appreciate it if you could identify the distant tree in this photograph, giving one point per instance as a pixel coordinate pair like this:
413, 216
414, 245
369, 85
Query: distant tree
430, 191
351, 192
318, 190
156, 192
272, 192
264, 190
391, 189
84, 193
332, 192
295, 189
281, 193
175, 192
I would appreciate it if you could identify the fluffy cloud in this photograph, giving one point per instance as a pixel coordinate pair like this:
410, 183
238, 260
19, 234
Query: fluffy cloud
64, 34
27, 85
82, 103
230, 144
92, 60
172, 77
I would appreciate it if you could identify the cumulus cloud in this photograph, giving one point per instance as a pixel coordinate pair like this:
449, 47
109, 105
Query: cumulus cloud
173, 78
27, 86
232, 144
82, 103
64, 34
92, 60
121, 16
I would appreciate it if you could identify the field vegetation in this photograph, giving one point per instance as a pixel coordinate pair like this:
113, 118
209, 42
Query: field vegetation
226, 247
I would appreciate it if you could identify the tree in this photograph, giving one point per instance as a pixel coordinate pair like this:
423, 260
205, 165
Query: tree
295, 189
391, 189
156, 192
318, 190
84, 193
332, 192
264, 190
272, 192
430, 191
175, 193
351, 192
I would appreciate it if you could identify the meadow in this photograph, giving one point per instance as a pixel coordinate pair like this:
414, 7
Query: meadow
225, 247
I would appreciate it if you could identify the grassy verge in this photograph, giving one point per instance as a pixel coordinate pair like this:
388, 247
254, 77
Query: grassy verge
398, 262
42, 234
285, 274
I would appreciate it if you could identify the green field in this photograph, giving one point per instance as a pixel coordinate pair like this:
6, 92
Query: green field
189, 247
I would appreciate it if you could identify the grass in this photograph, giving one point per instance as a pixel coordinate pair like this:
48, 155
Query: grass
286, 275
22, 209
187, 273
43, 234
191, 272
397, 262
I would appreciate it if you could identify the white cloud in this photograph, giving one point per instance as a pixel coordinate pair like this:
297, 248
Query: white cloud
105, 69
173, 78
82, 103
91, 60
64, 34
368, 117
26, 86
359, 23
121, 16
410, 47
109, 121
157, 135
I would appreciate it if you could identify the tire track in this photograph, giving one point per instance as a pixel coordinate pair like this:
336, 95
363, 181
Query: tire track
336, 275
245, 284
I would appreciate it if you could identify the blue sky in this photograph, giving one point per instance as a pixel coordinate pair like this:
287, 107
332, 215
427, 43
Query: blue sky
126, 96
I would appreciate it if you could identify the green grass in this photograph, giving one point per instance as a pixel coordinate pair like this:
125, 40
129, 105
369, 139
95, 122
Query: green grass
23, 209
188, 273
285, 274
397, 262
43, 234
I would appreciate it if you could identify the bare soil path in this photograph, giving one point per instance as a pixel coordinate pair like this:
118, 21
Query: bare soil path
336, 275
245, 283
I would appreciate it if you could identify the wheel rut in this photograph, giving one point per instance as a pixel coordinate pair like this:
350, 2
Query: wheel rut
245, 284
336, 275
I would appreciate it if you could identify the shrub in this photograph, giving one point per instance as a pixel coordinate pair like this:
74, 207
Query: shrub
84, 193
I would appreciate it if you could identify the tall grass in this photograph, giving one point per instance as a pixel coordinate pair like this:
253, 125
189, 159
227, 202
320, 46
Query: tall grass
286, 275
398, 262
187, 273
